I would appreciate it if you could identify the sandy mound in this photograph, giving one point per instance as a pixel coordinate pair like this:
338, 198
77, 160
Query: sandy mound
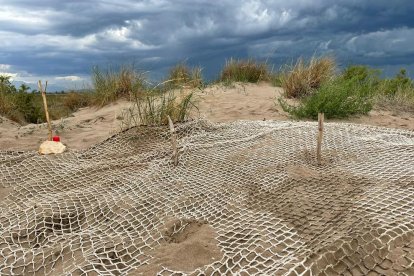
216, 103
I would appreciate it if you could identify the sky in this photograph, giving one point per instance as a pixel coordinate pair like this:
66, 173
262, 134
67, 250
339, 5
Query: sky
60, 41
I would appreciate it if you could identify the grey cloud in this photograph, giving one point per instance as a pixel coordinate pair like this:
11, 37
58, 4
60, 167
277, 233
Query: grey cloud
66, 38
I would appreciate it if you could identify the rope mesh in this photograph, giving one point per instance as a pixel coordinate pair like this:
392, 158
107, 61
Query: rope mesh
256, 185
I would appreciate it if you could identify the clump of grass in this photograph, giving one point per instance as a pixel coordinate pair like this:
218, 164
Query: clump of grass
337, 98
181, 75
110, 84
402, 100
396, 93
152, 107
302, 78
276, 79
244, 71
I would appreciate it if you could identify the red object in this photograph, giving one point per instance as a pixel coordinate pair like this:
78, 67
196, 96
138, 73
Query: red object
56, 138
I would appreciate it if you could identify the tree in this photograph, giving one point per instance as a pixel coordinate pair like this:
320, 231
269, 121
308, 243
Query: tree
5, 85
24, 88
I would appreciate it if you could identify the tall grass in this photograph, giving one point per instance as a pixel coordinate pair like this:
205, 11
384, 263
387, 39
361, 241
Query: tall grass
152, 107
401, 101
302, 78
244, 71
396, 94
111, 84
182, 76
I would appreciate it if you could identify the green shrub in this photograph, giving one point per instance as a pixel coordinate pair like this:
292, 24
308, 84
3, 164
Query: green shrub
244, 71
361, 73
302, 78
338, 98
21, 107
110, 84
26, 105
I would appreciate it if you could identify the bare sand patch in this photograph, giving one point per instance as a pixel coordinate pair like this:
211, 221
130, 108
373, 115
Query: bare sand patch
186, 248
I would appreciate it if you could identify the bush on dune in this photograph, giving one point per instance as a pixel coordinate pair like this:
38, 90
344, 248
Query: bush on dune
337, 99
302, 78
244, 71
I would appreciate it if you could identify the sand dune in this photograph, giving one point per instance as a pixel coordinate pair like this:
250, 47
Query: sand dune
217, 103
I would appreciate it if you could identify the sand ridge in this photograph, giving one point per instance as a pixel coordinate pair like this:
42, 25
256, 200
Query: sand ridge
91, 125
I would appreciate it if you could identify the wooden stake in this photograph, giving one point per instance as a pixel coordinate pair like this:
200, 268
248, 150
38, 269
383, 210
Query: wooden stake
320, 136
173, 141
49, 125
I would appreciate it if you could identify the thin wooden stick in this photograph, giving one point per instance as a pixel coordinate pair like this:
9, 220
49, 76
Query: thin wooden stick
173, 141
320, 136
49, 125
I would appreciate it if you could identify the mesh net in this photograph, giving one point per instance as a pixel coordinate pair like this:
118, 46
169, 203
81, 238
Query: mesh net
252, 188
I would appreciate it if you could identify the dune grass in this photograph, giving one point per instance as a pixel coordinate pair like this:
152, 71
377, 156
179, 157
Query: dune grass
302, 78
315, 83
152, 107
183, 76
396, 94
111, 84
244, 71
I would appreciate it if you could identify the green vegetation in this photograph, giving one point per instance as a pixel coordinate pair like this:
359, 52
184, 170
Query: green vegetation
23, 106
244, 71
356, 90
316, 84
396, 94
337, 98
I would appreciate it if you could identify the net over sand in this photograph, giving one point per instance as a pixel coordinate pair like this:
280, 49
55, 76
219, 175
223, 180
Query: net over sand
246, 198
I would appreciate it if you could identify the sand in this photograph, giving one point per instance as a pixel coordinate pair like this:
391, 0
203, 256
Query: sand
193, 247
299, 201
217, 103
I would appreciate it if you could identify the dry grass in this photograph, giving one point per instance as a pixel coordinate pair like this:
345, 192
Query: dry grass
244, 71
182, 76
111, 84
75, 100
401, 101
302, 78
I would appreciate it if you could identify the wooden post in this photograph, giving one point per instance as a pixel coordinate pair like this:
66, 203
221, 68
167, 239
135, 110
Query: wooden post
173, 141
49, 125
320, 136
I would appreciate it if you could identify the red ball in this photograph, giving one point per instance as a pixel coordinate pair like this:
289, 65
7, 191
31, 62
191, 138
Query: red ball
56, 138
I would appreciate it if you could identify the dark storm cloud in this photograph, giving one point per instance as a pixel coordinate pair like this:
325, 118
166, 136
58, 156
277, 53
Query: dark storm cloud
58, 38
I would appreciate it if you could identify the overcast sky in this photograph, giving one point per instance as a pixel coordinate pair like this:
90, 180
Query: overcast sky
61, 40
